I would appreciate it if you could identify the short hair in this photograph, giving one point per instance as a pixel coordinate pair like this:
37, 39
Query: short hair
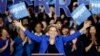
48, 28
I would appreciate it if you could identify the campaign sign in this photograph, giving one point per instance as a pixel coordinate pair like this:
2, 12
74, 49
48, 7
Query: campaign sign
80, 14
19, 10
95, 6
86, 2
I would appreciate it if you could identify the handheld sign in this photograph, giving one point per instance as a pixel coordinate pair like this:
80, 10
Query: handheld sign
95, 6
19, 10
80, 14
86, 2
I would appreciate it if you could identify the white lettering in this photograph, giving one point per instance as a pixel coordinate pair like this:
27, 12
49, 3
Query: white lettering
79, 13
16, 10
95, 4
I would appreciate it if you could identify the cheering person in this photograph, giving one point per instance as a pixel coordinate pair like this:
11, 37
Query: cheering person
23, 45
52, 42
92, 46
6, 43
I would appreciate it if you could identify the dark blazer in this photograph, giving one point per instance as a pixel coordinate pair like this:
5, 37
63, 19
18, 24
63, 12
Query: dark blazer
59, 43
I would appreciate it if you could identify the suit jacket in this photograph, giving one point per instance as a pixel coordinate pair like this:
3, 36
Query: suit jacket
59, 41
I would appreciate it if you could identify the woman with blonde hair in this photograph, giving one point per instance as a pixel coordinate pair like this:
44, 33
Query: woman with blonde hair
52, 39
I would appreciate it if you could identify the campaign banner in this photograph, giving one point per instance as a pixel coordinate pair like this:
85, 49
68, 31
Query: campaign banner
19, 10
80, 14
95, 6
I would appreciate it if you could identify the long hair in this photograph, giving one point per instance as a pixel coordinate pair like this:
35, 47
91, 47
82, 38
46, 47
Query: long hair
88, 32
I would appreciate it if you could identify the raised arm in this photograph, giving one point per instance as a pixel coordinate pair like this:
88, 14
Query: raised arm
94, 18
27, 32
77, 33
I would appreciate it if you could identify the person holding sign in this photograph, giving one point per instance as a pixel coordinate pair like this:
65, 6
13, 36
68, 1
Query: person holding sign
52, 39
22, 44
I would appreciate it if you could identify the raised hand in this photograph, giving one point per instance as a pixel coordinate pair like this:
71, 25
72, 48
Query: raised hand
87, 24
17, 23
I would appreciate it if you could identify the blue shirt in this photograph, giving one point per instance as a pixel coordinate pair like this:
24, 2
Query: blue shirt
6, 52
20, 49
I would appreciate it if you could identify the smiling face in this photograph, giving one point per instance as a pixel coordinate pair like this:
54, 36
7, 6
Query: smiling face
65, 31
59, 24
4, 32
92, 30
52, 32
38, 28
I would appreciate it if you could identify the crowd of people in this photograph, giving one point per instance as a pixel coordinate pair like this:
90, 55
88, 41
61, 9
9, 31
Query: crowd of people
47, 33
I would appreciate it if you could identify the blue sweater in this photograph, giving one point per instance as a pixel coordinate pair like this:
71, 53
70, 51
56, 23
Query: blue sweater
6, 52
59, 41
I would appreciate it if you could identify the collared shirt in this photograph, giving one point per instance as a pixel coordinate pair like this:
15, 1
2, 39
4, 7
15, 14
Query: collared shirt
38, 34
